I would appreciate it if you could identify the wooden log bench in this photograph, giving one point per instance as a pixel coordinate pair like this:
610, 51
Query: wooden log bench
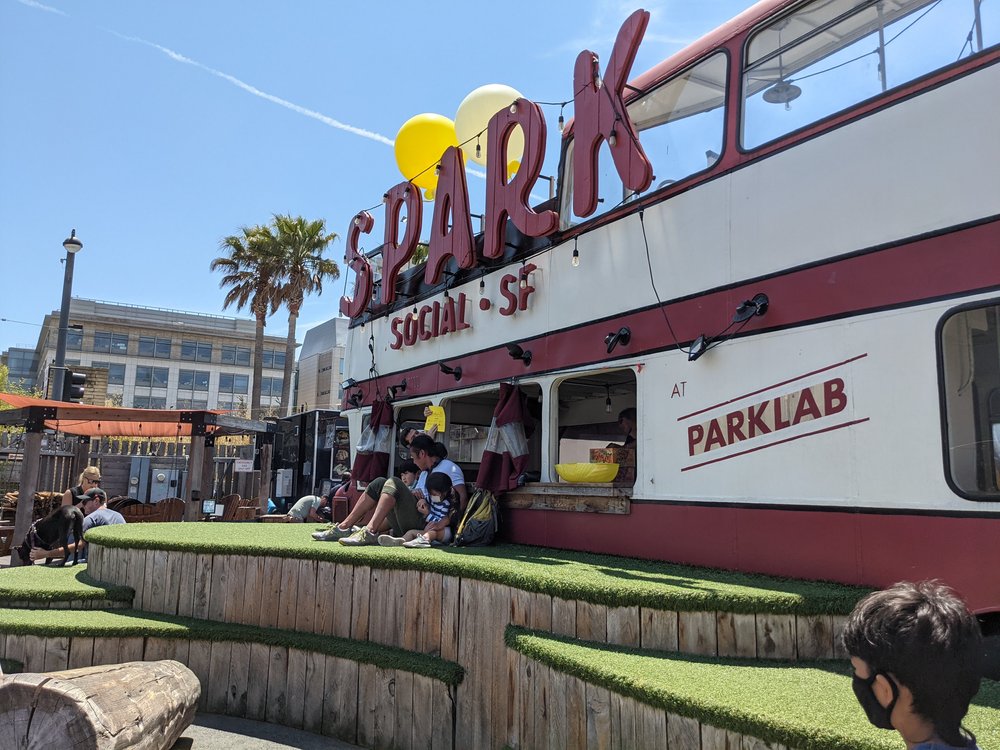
137, 705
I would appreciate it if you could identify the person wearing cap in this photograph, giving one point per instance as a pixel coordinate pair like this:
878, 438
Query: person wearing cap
89, 479
94, 504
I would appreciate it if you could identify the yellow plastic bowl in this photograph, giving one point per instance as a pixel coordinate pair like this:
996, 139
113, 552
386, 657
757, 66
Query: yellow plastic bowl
583, 473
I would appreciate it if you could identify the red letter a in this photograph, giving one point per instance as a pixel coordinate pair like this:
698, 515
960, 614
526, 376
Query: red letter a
451, 204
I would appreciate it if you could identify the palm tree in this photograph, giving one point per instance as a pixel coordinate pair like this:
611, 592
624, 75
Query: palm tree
252, 271
303, 269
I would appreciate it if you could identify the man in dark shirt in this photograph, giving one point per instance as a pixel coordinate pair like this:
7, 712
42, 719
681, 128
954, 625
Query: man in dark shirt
94, 504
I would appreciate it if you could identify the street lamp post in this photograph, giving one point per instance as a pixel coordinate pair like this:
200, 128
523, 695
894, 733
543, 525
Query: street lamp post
73, 246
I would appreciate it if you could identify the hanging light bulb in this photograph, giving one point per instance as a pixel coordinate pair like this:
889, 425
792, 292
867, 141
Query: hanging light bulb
446, 294
524, 277
576, 254
414, 313
613, 138
513, 108
482, 287
561, 120
597, 74
607, 401
479, 150
437, 169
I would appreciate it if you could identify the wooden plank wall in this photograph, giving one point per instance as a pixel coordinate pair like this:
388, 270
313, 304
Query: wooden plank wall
431, 613
503, 699
322, 694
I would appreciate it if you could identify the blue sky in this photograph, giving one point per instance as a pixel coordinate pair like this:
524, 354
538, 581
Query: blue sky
156, 128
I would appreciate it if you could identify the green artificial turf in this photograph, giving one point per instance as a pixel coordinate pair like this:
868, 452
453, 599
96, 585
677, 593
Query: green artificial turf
45, 583
123, 623
805, 705
599, 579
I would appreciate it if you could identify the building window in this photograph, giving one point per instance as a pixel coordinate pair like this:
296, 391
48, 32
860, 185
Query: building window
193, 380
116, 372
969, 347
110, 343
188, 403
74, 339
274, 359
235, 355
230, 383
150, 346
196, 351
271, 387
149, 402
151, 377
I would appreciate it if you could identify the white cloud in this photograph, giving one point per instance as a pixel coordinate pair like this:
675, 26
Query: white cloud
326, 120
39, 6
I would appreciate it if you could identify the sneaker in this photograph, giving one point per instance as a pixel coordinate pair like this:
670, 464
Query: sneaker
421, 542
333, 533
360, 538
388, 540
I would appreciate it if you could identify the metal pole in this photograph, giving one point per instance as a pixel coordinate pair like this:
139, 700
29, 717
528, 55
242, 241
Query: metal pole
59, 367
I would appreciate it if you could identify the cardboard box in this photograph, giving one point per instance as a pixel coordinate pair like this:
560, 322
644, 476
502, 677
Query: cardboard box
613, 455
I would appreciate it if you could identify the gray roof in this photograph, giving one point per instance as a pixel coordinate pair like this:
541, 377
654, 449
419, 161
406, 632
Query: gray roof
324, 337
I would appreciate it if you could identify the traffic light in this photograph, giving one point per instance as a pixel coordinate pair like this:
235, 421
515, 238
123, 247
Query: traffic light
73, 386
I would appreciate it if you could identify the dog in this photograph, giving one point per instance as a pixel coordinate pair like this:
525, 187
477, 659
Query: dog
52, 531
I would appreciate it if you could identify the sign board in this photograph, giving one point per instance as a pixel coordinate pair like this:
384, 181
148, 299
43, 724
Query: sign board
243, 465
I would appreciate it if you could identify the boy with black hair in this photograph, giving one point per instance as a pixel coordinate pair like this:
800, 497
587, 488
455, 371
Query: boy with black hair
917, 657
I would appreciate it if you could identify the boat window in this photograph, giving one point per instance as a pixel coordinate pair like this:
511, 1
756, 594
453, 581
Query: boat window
833, 54
596, 412
680, 123
969, 346
469, 418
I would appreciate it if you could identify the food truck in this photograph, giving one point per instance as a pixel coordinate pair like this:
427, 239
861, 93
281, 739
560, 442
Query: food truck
781, 247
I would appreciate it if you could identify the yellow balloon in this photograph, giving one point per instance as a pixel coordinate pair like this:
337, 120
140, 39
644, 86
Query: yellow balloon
474, 114
419, 145
512, 167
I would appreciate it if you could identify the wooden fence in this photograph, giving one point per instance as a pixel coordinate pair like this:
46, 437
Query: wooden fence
64, 457
458, 619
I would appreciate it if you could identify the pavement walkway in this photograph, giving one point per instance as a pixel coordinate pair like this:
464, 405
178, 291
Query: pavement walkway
214, 732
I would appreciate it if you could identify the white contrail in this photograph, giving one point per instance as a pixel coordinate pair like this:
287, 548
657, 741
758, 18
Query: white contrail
46, 8
178, 57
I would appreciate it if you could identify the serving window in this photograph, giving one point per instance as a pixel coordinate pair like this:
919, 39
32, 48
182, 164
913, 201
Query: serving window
590, 407
969, 350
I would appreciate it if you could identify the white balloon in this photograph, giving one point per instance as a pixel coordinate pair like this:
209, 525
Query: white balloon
474, 114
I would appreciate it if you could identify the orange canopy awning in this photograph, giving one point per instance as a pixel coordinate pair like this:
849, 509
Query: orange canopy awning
100, 421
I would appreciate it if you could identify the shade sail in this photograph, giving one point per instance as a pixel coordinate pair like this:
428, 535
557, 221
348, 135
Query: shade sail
101, 421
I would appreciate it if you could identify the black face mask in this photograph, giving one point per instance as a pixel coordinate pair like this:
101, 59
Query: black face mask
878, 715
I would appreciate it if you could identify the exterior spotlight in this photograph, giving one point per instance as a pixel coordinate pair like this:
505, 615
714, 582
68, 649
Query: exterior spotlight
456, 372
517, 352
750, 307
392, 389
622, 336
698, 347
349, 383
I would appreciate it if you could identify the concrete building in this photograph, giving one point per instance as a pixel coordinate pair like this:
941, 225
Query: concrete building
22, 365
162, 359
321, 366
